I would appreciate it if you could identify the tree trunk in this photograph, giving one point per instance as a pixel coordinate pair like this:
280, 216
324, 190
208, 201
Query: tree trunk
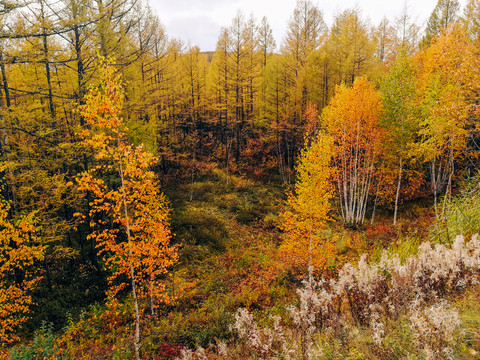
136, 343
6, 143
5, 81
47, 64
397, 194
48, 75
448, 192
80, 71
434, 186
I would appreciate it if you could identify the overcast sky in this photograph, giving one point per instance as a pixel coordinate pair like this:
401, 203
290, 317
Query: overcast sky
198, 22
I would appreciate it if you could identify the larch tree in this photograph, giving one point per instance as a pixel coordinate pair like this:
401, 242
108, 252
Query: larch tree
319, 73
238, 70
305, 242
304, 30
471, 18
36, 169
219, 89
352, 119
266, 41
275, 108
41, 30
385, 37
351, 47
444, 14
407, 32
266, 46
254, 71
194, 69
145, 30
129, 216
77, 16
8, 190
153, 66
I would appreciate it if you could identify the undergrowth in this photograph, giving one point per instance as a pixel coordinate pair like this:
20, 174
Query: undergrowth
229, 261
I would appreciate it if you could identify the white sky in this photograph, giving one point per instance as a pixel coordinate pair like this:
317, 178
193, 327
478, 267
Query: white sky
198, 22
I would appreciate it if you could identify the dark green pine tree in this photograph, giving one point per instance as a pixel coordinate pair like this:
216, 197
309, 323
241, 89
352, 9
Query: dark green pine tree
444, 14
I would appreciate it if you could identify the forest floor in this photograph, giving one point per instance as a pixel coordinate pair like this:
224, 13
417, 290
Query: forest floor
229, 259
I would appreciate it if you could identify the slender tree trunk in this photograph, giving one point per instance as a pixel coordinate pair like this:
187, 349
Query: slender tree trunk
397, 194
434, 186
448, 192
93, 250
102, 27
227, 156
47, 64
49, 80
281, 166
152, 307
80, 70
5, 81
48, 274
136, 343
374, 207
193, 167
6, 142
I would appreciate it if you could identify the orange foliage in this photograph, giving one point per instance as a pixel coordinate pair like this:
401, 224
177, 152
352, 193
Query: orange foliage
413, 184
311, 117
129, 219
19, 250
352, 119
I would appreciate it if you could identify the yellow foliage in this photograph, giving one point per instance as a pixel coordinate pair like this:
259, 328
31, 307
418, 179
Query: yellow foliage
305, 242
448, 84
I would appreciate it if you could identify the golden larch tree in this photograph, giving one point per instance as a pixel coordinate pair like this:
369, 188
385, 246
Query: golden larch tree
305, 242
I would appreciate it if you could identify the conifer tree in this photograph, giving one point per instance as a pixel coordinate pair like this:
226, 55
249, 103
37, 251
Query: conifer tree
220, 92
305, 243
471, 18
305, 27
444, 14
407, 33
352, 48
266, 41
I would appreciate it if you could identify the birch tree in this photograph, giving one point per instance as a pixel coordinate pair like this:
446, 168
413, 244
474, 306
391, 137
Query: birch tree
352, 119
130, 216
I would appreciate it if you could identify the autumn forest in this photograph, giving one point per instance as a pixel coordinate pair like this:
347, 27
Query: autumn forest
316, 197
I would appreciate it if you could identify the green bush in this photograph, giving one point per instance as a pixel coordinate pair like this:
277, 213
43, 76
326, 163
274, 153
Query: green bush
196, 226
42, 347
462, 214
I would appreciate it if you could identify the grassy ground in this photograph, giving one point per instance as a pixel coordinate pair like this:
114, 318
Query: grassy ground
228, 260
